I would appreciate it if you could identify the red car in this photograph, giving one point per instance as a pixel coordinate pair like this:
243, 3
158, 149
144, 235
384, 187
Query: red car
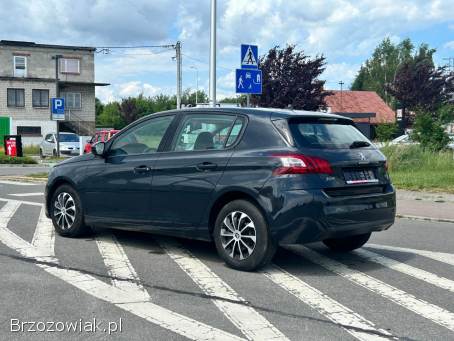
100, 136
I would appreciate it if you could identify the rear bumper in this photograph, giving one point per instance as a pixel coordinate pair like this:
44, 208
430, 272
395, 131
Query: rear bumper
305, 216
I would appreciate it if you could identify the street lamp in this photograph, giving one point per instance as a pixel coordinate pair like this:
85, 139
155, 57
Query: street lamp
196, 82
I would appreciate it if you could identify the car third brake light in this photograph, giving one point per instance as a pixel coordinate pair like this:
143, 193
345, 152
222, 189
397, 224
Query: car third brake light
301, 164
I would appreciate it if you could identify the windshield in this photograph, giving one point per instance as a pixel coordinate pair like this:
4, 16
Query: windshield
68, 138
326, 133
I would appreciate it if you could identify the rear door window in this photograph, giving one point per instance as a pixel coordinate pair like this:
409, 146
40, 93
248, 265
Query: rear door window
325, 133
207, 132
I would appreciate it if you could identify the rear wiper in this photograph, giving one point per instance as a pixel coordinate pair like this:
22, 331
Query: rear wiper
359, 144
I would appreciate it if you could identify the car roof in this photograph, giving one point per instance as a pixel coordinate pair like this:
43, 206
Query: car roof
273, 113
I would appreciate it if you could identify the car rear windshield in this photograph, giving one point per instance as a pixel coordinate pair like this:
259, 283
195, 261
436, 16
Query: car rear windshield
325, 133
68, 138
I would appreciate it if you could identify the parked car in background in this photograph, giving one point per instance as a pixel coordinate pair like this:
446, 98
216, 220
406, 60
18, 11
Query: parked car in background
403, 140
100, 136
248, 179
69, 145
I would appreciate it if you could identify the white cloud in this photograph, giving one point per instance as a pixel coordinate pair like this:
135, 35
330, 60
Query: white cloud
449, 45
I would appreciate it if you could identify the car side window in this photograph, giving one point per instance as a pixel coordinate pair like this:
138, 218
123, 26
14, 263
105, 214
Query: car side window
142, 139
235, 132
203, 132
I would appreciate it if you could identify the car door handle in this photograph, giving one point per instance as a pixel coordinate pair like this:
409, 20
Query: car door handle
142, 169
205, 166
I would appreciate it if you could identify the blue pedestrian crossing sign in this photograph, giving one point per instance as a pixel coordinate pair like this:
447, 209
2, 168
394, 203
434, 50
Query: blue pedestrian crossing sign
249, 57
248, 81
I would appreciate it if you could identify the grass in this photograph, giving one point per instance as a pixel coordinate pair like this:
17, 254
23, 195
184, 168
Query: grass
30, 150
41, 175
17, 160
413, 168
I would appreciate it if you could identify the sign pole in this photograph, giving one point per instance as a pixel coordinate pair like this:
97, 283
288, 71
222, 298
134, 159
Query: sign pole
213, 55
248, 100
57, 94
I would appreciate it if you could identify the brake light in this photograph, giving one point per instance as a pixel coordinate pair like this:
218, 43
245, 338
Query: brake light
302, 164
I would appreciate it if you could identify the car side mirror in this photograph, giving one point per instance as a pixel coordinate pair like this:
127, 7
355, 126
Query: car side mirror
98, 149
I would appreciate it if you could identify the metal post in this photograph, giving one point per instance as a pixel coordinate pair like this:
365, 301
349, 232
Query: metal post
179, 75
248, 100
196, 83
57, 94
213, 55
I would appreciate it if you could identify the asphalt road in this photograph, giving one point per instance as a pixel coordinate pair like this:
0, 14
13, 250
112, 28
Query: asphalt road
400, 286
21, 170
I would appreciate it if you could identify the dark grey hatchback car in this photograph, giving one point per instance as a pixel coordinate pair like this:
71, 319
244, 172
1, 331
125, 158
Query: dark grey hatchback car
249, 179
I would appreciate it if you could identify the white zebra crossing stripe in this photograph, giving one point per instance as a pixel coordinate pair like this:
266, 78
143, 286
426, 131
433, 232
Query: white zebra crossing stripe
22, 202
409, 270
118, 265
425, 309
34, 194
44, 236
443, 257
128, 300
17, 183
352, 322
253, 325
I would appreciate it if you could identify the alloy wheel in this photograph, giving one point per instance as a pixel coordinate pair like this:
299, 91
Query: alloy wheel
238, 235
64, 211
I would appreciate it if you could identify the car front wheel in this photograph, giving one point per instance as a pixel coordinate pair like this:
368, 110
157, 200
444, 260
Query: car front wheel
348, 243
241, 236
66, 212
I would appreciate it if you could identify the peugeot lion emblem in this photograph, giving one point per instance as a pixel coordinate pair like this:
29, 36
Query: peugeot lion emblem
362, 157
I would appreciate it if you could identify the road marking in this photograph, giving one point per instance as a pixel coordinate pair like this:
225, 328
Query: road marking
17, 183
118, 265
409, 270
27, 194
23, 202
253, 325
128, 300
430, 311
352, 322
443, 257
44, 236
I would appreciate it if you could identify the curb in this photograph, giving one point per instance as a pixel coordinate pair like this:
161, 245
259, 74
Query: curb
415, 217
23, 179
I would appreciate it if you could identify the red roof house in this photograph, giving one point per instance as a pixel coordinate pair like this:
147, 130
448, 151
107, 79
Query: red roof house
349, 103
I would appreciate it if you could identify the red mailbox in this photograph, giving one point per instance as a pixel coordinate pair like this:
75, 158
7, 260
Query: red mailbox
13, 145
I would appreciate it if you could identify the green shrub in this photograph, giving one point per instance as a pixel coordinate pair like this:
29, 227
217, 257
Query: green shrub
429, 131
385, 131
30, 150
4, 159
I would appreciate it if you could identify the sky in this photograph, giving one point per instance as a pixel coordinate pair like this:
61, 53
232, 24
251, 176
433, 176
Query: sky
345, 32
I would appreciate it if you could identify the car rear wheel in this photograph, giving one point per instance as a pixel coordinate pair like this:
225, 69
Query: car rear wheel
241, 236
347, 244
66, 212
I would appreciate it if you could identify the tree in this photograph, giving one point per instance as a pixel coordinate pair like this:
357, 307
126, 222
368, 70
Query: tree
380, 69
290, 79
99, 107
110, 117
129, 110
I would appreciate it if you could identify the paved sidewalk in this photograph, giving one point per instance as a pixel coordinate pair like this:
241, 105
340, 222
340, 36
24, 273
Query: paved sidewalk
426, 206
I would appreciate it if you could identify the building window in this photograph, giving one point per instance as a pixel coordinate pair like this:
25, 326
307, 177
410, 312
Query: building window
29, 131
20, 66
72, 100
40, 98
16, 97
70, 65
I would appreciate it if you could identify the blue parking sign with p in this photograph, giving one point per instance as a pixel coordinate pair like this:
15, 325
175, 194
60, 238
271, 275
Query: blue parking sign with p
58, 108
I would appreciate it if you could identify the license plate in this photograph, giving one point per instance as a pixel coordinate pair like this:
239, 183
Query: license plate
360, 176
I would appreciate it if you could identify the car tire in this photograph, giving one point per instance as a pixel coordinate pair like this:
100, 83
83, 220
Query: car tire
348, 243
41, 155
237, 226
69, 221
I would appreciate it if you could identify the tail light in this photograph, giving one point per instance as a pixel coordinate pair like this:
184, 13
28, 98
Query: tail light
301, 164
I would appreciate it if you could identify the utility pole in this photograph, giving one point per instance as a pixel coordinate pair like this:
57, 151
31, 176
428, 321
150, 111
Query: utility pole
213, 55
196, 83
179, 75
341, 83
57, 94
